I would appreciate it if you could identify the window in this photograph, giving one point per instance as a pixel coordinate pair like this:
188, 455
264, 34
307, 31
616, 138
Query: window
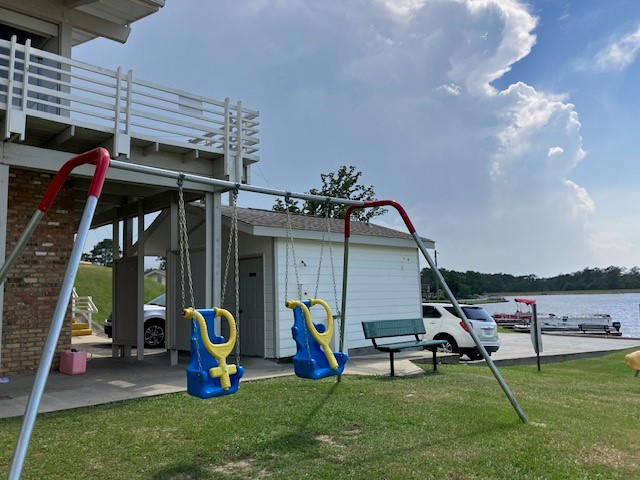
430, 312
472, 313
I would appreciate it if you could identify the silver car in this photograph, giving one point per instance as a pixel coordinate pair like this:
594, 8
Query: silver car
155, 313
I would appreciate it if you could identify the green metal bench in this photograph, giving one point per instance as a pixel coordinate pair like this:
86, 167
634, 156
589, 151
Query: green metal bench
397, 328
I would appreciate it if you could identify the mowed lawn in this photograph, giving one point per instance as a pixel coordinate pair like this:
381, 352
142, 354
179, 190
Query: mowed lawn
455, 424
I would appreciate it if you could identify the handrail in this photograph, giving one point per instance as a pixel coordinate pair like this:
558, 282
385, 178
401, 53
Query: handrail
84, 305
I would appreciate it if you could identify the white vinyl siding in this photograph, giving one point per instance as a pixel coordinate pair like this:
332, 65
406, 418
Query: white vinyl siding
383, 283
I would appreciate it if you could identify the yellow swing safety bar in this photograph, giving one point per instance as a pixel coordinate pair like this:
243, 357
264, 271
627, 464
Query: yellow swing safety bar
323, 338
219, 350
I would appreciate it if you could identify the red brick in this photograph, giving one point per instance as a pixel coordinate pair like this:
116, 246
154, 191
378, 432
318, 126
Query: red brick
33, 285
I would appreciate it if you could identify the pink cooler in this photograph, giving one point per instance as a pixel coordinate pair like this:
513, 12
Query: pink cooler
73, 362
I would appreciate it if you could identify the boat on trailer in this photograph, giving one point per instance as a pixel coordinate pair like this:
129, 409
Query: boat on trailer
521, 319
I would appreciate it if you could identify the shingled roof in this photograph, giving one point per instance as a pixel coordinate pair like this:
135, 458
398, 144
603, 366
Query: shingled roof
269, 218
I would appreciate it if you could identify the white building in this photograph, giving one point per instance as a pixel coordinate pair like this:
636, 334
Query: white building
156, 275
52, 108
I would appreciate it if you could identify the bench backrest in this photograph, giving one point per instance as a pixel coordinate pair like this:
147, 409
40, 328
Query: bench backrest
393, 328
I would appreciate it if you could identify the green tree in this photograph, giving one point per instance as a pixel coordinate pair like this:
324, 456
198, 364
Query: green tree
345, 183
101, 253
281, 206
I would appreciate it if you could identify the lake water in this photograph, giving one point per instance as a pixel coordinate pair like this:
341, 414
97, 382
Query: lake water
623, 307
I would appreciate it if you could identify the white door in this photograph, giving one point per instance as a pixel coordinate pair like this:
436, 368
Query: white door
251, 307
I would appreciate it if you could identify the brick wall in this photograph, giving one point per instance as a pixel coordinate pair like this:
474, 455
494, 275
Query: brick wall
33, 285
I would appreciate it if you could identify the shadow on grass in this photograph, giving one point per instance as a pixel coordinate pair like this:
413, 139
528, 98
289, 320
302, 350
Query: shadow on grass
183, 471
298, 439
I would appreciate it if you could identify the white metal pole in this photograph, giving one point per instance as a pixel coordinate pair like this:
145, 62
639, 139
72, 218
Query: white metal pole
28, 420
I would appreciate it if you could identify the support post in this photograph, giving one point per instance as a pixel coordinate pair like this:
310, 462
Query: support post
116, 350
213, 250
4, 207
140, 306
239, 141
172, 289
343, 308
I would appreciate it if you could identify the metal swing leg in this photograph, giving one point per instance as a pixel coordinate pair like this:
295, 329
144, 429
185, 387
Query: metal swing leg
101, 158
423, 250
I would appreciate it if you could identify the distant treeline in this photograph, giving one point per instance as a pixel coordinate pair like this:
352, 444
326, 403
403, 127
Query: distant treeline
469, 284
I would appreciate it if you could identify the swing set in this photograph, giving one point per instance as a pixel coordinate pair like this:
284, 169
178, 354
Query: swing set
209, 373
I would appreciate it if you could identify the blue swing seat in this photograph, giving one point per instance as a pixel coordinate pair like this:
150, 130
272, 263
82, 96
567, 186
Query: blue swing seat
199, 383
312, 364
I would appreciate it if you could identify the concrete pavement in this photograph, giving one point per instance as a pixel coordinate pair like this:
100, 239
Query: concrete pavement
109, 380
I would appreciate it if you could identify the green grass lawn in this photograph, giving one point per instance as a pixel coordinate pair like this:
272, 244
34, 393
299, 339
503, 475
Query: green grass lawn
455, 424
95, 281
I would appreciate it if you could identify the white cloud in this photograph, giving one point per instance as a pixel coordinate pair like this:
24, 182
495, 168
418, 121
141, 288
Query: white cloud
403, 90
555, 151
449, 89
579, 200
620, 53
402, 9
493, 155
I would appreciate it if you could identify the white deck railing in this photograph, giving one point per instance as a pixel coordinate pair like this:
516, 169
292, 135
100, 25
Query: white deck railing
82, 307
48, 86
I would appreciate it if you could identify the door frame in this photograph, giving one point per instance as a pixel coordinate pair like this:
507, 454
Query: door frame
261, 257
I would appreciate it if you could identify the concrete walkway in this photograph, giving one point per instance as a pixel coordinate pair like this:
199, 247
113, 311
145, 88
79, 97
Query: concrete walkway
109, 380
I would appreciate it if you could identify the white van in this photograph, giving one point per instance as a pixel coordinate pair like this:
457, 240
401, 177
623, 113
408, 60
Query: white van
441, 322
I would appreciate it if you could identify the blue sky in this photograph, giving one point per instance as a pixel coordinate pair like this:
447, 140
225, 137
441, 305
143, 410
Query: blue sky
508, 130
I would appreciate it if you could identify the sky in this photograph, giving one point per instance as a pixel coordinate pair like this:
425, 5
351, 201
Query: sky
508, 130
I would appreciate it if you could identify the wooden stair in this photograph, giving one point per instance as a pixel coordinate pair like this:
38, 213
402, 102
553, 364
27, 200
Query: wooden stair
78, 329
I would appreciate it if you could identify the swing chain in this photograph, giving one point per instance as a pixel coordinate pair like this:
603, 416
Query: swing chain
325, 235
226, 265
233, 243
184, 244
287, 201
184, 258
315, 295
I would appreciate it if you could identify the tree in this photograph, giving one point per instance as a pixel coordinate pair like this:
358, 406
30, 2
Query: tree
280, 206
341, 184
162, 263
101, 253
